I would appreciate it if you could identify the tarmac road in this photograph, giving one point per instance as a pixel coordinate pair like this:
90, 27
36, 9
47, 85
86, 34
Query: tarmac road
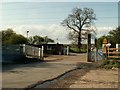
25, 75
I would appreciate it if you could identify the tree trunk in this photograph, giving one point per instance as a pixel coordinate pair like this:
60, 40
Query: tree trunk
79, 40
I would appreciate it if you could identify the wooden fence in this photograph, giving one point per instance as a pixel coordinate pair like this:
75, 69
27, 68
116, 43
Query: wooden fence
114, 53
33, 52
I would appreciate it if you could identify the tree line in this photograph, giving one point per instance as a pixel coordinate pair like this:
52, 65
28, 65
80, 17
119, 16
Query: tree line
113, 37
11, 37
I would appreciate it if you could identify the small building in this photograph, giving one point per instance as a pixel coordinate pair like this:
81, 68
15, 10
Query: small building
56, 49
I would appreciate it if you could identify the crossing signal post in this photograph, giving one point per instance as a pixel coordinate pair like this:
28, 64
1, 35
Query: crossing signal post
89, 48
104, 50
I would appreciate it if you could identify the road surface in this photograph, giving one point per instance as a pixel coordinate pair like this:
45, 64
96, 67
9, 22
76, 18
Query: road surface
25, 75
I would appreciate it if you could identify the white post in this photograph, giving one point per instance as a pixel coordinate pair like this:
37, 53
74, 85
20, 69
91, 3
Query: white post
117, 47
108, 45
42, 52
24, 48
67, 50
39, 53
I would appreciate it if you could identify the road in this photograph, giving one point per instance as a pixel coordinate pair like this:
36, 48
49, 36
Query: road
25, 75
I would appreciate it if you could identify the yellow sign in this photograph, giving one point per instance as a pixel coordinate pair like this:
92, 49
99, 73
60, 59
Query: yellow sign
105, 40
104, 49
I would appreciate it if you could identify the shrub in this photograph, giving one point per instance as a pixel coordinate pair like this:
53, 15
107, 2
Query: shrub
111, 62
104, 62
116, 65
108, 64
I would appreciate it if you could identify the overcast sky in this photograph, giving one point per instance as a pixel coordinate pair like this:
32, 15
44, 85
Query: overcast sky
44, 18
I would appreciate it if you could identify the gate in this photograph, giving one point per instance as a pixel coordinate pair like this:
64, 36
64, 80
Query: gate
33, 52
114, 53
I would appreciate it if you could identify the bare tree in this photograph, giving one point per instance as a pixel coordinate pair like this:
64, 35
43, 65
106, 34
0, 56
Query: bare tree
78, 20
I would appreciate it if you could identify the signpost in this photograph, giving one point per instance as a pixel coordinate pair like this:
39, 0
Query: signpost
104, 50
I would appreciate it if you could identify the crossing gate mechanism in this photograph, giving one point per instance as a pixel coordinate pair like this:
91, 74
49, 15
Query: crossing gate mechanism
91, 48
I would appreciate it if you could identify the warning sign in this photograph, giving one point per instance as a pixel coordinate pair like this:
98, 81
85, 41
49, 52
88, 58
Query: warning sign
105, 40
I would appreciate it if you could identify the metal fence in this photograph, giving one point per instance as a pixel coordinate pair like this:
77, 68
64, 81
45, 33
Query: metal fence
18, 53
12, 53
33, 52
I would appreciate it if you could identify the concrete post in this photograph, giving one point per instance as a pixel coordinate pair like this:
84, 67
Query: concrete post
67, 50
39, 54
24, 51
42, 53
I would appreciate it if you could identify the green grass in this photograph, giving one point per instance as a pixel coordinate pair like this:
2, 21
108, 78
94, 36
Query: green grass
76, 50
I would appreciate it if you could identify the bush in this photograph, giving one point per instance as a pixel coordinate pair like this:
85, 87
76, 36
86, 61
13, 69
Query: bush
108, 64
104, 62
111, 62
116, 65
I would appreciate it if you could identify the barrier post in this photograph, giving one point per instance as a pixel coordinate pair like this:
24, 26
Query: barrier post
67, 50
42, 53
24, 51
39, 54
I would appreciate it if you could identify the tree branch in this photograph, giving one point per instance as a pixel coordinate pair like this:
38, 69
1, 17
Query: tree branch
72, 28
83, 23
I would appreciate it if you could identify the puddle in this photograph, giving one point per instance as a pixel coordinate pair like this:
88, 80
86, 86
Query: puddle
15, 71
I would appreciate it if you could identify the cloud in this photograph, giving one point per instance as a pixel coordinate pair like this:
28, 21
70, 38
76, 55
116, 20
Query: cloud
103, 30
60, 1
53, 31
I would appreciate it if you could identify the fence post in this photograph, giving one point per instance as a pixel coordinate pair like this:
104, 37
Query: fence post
67, 50
42, 53
39, 53
24, 51
117, 49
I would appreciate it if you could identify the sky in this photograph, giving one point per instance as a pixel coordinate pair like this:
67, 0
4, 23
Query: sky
44, 18
60, 0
